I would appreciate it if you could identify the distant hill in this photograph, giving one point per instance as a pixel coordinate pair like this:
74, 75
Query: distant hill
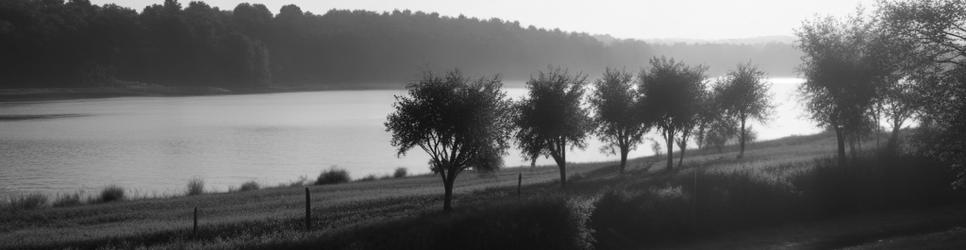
76, 44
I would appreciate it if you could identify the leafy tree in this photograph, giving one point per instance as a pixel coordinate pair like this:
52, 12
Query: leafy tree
938, 30
551, 117
617, 121
672, 96
461, 123
841, 81
743, 95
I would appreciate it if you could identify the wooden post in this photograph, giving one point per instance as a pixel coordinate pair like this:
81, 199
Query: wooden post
519, 184
195, 230
308, 210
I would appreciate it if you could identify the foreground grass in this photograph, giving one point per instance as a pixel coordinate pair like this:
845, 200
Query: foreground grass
396, 212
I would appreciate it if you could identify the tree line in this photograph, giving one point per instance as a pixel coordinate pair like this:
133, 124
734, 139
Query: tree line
52, 43
468, 123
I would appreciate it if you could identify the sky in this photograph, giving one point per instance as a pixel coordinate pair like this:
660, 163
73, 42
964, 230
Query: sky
641, 19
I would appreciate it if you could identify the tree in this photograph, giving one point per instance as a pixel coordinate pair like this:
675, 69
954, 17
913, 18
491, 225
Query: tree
551, 117
841, 80
743, 95
671, 92
938, 30
461, 123
614, 101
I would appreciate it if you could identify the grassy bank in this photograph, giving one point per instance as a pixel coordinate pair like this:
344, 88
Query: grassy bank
713, 197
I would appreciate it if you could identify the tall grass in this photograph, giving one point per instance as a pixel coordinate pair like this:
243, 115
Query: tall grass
546, 223
196, 186
67, 200
333, 175
28, 201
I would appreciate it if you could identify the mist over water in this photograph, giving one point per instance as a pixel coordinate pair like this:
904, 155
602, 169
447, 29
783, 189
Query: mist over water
154, 145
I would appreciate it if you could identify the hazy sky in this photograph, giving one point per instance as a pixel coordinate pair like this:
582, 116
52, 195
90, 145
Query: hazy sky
644, 19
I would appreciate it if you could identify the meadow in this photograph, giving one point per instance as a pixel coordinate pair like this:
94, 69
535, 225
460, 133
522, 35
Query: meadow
783, 193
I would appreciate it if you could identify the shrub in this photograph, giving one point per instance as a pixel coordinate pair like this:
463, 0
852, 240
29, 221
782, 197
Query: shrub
400, 173
547, 223
68, 200
370, 177
28, 201
196, 186
111, 193
875, 182
332, 176
625, 221
249, 186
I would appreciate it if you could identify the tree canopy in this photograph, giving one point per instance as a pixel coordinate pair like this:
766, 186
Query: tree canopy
743, 95
461, 123
618, 122
672, 93
551, 119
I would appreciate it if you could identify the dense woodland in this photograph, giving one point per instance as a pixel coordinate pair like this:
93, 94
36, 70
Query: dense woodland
52, 43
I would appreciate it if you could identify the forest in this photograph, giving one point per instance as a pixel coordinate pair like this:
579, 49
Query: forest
52, 43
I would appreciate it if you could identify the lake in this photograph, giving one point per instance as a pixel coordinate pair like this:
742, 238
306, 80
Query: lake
154, 145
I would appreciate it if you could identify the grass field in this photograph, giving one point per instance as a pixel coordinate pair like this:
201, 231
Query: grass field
381, 212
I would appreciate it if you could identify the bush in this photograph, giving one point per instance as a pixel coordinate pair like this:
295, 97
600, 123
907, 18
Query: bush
196, 186
875, 183
28, 201
332, 176
111, 193
533, 224
625, 221
68, 200
400, 173
370, 177
249, 186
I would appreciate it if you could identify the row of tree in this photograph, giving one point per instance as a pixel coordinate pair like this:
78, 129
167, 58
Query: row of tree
904, 61
50, 43
465, 123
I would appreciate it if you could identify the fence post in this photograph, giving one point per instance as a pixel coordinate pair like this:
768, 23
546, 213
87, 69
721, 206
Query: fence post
194, 231
519, 184
308, 210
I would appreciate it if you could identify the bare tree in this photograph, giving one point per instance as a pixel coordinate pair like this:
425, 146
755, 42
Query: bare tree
551, 117
672, 96
617, 121
461, 123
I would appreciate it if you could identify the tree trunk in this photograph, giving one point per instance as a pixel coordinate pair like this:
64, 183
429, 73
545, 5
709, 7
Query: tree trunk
669, 137
623, 158
681, 148
841, 145
563, 174
448, 192
741, 140
893, 143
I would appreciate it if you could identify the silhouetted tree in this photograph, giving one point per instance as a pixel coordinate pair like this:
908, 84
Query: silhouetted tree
938, 30
743, 95
672, 93
551, 118
840, 78
617, 121
461, 123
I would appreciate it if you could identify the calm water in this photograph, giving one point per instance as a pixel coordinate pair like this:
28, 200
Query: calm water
154, 145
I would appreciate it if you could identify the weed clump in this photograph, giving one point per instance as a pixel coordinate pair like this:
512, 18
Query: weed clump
249, 186
399, 173
111, 193
68, 200
332, 176
196, 186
